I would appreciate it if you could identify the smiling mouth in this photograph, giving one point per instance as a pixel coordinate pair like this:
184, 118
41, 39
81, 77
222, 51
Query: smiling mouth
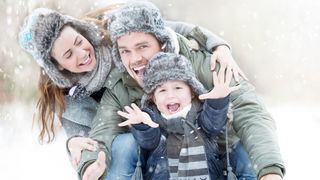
173, 107
87, 61
139, 70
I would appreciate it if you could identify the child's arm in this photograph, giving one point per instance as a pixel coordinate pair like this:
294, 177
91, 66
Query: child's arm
144, 130
213, 118
136, 116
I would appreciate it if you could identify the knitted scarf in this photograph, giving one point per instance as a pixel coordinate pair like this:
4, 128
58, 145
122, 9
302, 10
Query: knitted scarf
185, 147
92, 81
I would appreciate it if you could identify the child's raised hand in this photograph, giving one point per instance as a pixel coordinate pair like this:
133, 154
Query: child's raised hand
221, 86
136, 116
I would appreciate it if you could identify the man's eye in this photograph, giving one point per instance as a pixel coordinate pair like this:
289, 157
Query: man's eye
124, 51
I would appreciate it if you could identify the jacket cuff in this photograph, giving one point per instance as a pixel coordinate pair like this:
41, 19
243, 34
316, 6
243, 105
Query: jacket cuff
219, 103
68, 150
271, 170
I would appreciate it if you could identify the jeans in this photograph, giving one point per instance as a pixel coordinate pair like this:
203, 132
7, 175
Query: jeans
124, 155
241, 164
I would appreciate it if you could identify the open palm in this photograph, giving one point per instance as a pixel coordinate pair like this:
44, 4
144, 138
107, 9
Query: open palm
221, 86
136, 116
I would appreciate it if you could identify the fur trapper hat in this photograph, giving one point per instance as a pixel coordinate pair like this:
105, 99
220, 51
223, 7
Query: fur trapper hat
38, 34
165, 67
138, 16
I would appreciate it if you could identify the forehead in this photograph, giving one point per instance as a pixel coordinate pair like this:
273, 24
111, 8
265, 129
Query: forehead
136, 38
66, 38
174, 83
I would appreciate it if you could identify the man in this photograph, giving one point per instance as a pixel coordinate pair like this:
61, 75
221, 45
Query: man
137, 32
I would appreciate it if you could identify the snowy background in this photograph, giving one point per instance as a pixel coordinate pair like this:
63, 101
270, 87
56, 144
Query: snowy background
275, 42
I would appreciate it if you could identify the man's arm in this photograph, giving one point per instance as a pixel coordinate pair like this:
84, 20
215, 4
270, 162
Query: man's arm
185, 29
252, 123
104, 128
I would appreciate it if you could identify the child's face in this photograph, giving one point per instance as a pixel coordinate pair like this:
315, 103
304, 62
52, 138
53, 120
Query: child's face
135, 50
73, 52
172, 96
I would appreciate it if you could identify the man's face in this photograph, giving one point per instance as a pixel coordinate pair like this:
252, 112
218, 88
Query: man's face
135, 50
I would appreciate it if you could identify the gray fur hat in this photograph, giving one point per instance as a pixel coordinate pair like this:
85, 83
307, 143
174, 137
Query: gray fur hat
164, 67
37, 36
138, 16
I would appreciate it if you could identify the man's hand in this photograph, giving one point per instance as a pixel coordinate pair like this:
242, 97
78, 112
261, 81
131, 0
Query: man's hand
96, 169
222, 54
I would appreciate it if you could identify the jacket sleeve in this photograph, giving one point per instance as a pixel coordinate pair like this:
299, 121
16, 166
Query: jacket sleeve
104, 128
213, 117
185, 29
251, 121
147, 137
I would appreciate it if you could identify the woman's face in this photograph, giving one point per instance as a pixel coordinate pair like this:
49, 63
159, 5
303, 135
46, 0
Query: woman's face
73, 52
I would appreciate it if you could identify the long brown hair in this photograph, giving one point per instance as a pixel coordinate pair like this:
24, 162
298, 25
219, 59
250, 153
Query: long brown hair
51, 102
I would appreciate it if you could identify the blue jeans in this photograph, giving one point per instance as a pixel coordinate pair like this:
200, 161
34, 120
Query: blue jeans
124, 155
241, 164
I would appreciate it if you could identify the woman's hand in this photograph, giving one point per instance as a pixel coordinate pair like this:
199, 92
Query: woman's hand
222, 54
77, 144
136, 116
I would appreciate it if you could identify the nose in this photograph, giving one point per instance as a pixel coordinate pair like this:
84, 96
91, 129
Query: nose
136, 58
81, 54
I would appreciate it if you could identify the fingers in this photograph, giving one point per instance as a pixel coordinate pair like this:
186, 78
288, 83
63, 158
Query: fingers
204, 96
96, 169
123, 114
125, 123
75, 158
228, 77
214, 58
215, 78
152, 123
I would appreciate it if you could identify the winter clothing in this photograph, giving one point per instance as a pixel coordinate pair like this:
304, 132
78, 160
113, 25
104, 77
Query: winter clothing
252, 122
198, 131
138, 16
38, 34
163, 67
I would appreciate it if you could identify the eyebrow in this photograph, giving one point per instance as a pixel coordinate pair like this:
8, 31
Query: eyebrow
74, 43
138, 44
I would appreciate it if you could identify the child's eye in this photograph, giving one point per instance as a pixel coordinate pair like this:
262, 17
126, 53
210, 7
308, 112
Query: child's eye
178, 87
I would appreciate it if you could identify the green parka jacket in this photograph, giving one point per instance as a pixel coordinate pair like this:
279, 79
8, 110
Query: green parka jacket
251, 121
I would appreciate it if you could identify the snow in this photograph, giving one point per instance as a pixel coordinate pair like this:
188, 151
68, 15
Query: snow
22, 157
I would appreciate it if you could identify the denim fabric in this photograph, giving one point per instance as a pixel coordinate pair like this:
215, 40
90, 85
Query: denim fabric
241, 164
124, 157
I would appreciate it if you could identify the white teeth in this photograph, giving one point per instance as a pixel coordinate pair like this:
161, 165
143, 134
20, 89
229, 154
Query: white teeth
138, 68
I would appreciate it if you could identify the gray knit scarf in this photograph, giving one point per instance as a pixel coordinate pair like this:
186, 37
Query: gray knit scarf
87, 83
185, 147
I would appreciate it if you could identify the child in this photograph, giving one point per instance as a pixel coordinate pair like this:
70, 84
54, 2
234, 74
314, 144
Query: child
180, 135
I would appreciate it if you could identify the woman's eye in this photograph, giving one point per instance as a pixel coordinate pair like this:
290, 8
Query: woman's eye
79, 42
